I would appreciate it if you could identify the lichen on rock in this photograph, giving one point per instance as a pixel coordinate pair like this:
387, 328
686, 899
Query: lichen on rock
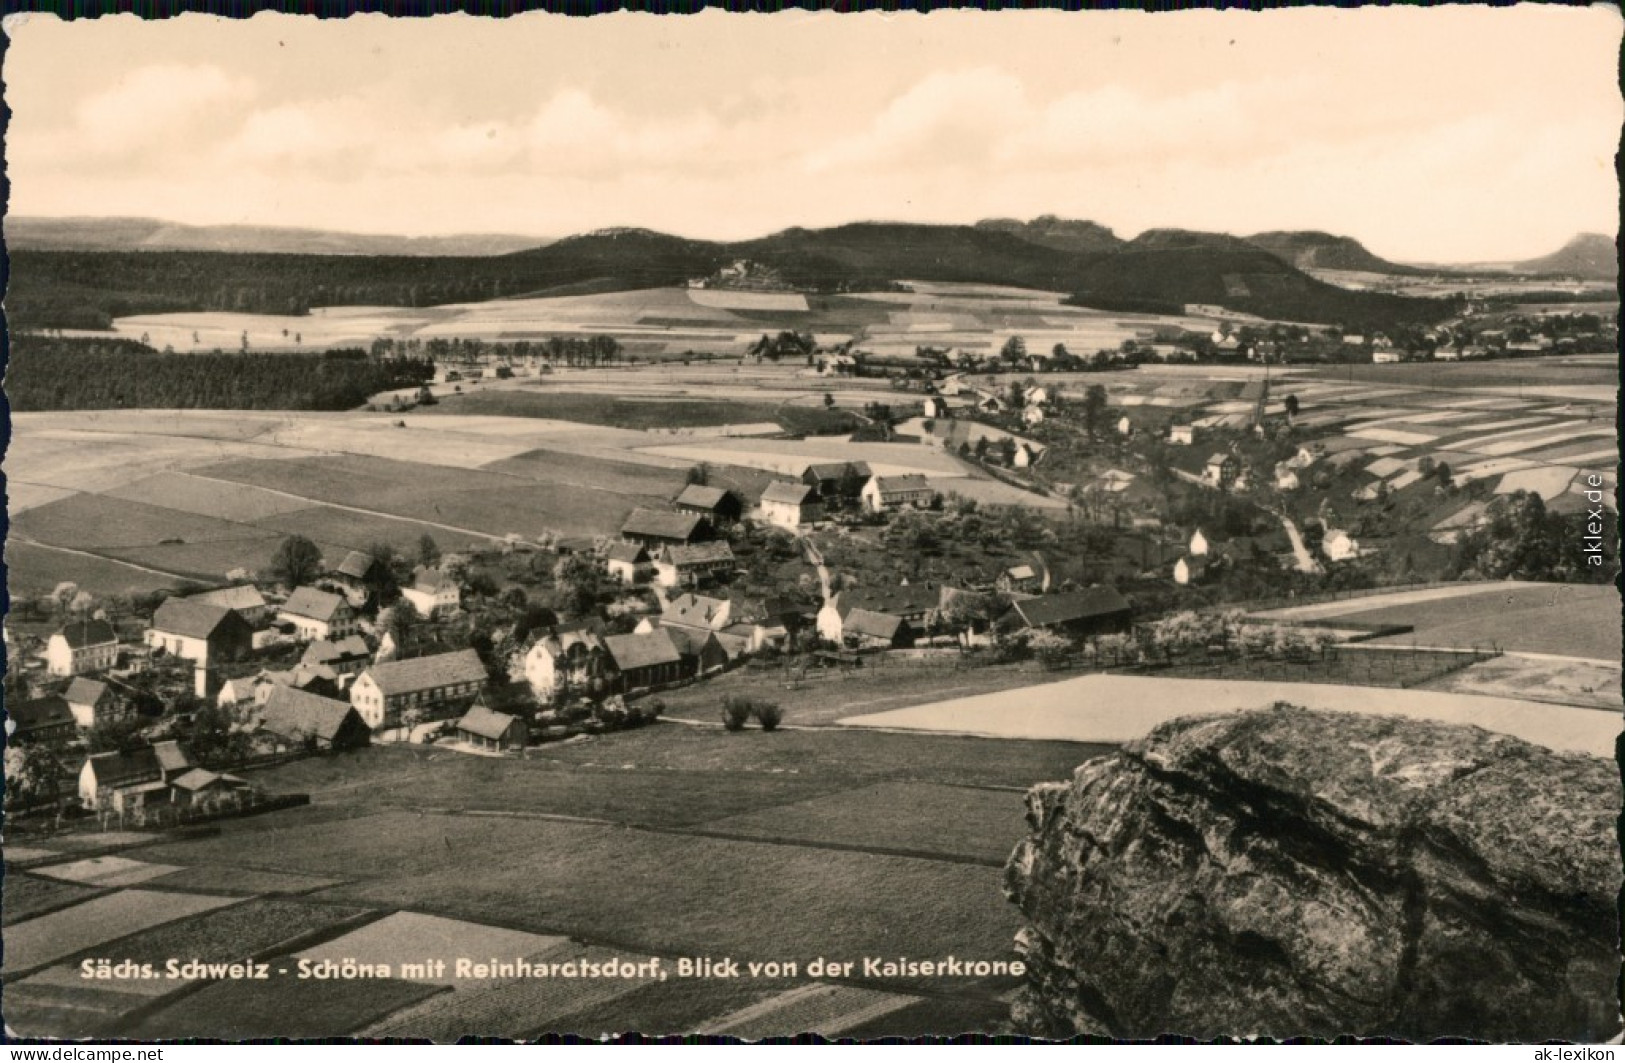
1288, 872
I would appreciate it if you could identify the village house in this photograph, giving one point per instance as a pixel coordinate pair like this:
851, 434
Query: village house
94, 702
1286, 479
80, 647
854, 628
347, 656
704, 651
835, 482
433, 593
493, 732
655, 528
1221, 470
641, 662
758, 624
693, 565
1025, 455
882, 493
698, 612
358, 572
433, 687
1024, 578
244, 599
1125, 427
1182, 435
199, 632
199, 786
1339, 546
1198, 545
790, 506
1386, 356
127, 780
318, 614
293, 719
1096, 611
933, 407
913, 602
627, 563
46, 720
718, 505
569, 657
1032, 415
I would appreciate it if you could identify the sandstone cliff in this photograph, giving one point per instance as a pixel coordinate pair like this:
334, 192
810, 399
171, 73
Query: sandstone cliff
1286, 872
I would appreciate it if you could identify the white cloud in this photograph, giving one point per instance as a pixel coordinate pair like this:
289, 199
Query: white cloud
155, 106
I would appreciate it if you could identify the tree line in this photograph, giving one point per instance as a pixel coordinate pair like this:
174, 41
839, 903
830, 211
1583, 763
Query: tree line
96, 374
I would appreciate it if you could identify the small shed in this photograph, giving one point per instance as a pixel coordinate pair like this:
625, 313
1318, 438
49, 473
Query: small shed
489, 730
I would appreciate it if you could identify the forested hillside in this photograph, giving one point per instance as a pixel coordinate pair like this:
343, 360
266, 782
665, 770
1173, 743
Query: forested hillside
93, 374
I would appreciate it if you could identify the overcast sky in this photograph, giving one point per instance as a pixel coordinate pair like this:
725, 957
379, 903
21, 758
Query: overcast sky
1444, 134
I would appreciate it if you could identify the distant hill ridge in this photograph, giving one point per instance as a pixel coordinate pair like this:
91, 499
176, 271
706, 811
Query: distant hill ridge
1161, 270
1319, 250
151, 234
1591, 256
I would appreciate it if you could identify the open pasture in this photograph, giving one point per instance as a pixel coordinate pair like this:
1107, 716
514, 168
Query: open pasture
48, 938
411, 938
1562, 619
284, 1007
347, 529
792, 456
516, 1010
976, 824
24, 896
1121, 708
107, 871
99, 523
205, 497
35, 570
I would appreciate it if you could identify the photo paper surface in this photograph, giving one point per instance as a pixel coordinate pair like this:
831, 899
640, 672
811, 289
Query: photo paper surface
862, 525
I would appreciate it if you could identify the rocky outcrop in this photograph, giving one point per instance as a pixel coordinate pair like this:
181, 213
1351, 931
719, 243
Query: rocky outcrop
1287, 872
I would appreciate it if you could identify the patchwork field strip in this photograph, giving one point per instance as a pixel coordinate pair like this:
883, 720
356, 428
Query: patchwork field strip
516, 1009
40, 941
412, 938
108, 871
1563, 435
1394, 435
222, 878
819, 1008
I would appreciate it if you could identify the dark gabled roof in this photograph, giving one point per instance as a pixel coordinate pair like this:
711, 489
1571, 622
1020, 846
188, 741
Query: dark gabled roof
88, 633
346, 649
872, 625
834, 470
663, 524
293, 713
788, 493
37, 714
241, 596
699, 554
423, 673
909, 482
690, 641
1047, 609
704, 497
356, 565
171, 757
642, 651
122, 768
900, 601
312, 604
84, 691
192, 619
631, 553
485, 722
